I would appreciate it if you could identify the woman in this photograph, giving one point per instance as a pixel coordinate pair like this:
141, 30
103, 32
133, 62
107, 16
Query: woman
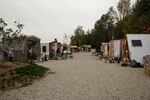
10, 55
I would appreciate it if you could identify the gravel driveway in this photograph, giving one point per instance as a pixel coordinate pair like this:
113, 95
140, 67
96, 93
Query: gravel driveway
85, 78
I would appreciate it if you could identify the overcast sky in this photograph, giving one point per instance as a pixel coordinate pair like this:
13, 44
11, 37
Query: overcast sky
49, 19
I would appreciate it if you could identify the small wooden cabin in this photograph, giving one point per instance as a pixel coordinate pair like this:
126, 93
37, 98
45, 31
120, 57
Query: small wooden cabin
86, 48
114, 48
124, 49
74, 48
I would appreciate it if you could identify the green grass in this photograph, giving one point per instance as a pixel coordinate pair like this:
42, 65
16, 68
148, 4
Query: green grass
31, 70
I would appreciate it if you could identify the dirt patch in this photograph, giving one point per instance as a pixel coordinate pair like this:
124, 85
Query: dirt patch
8, 66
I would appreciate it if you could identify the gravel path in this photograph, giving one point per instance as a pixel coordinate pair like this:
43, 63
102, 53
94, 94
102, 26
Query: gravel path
85, 78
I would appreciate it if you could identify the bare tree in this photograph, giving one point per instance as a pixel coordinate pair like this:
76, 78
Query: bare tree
114, 14
2, 27
124, 8
9, 34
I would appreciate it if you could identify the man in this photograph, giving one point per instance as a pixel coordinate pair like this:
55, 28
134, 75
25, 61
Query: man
5, 53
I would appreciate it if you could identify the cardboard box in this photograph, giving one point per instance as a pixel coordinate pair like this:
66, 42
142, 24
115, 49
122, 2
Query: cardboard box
147, 69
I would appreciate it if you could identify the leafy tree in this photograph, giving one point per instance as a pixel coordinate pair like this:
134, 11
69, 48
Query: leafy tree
105, 25
114, 25
139, 22
3, 24
78, 37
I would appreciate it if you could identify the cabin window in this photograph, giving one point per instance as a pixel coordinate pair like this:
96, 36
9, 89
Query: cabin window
44, 48
136, 43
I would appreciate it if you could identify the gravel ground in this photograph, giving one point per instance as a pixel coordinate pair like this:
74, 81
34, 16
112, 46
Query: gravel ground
85, 78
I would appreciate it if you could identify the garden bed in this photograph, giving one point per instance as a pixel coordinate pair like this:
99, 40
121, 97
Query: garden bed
20, 75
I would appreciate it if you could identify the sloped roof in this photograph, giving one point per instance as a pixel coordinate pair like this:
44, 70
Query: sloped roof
87, 46
73, 46
32, 37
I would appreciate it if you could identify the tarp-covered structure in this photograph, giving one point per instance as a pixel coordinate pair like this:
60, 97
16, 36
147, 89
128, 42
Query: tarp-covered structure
24, 49
105, 49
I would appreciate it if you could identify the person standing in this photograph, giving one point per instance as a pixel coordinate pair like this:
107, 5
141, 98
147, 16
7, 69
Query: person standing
5, 53
10, 55
55, 47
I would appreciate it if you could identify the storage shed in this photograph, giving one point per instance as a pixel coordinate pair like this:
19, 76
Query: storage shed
114, 48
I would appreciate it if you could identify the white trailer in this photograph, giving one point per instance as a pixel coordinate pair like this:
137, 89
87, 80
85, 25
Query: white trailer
139, 46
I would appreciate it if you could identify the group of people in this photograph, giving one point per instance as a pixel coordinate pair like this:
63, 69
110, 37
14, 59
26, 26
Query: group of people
8, 55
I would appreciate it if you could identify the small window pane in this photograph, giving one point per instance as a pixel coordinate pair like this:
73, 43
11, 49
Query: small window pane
44, 48
136, 43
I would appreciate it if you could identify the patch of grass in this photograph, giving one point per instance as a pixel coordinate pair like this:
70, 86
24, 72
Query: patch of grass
31, 70
21, 76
